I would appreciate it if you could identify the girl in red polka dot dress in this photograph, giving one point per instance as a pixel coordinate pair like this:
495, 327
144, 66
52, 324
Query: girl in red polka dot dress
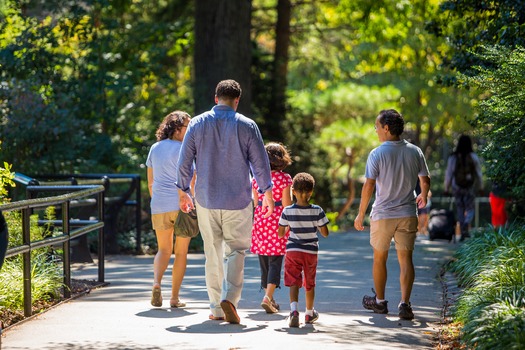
265, 240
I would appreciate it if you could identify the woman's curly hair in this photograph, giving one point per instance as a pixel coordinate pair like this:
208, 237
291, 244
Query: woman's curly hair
278, 156
171, 123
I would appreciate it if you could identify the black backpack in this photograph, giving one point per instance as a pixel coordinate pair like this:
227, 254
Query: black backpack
465, 172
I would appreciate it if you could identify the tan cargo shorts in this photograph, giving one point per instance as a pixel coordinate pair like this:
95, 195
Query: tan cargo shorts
402, 230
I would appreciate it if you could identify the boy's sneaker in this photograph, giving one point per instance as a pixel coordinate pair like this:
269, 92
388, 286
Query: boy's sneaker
294, 319
311, 319
269, 305
370, 303
405, 311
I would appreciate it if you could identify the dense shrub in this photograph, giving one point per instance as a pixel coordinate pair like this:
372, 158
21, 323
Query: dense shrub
491, 268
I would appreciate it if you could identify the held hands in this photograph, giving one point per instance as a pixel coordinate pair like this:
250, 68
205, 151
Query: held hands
186, 202
268, 204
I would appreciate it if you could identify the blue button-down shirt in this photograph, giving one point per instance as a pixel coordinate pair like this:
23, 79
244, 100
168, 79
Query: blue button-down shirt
224, 145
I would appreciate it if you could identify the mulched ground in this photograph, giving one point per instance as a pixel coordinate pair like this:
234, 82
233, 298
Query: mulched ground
78, 287
448, 337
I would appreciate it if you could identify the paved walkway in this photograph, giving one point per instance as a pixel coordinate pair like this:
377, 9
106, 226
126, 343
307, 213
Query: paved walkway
119, 316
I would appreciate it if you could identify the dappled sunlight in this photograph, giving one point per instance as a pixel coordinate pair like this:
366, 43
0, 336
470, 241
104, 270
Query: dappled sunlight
344, 275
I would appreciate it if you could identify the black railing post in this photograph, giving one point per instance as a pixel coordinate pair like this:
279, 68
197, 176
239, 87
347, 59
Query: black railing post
66, 247
26, 240
101, 237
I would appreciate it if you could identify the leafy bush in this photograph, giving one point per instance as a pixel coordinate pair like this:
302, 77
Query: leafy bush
501, 115
491, 268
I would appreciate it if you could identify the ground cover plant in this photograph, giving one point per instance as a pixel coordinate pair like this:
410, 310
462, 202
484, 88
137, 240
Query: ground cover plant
46, 271
490, 268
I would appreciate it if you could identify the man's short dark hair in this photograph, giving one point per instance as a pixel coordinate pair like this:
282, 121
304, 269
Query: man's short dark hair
228, 89
303, 182
394, 120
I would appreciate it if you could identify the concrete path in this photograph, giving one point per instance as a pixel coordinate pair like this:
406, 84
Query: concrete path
120, 316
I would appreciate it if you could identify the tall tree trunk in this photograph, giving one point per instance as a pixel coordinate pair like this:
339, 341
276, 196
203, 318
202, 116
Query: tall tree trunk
277, 110
222, 50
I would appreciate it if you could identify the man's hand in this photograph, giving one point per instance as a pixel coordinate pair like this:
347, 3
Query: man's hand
268, 204
421, 201
185, 202
358, 222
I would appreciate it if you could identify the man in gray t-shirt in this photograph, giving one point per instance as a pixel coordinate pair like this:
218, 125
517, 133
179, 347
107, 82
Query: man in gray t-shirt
392, 170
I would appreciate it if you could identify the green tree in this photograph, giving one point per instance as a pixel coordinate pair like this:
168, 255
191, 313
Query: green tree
372, 45
502, 114
90, 82
468, 25
487, 40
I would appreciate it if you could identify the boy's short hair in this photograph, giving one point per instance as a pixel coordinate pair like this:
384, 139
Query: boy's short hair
228, 89
303, 182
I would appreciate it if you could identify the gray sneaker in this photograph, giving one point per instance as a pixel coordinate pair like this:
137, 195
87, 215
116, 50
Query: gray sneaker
405, 311
370, 303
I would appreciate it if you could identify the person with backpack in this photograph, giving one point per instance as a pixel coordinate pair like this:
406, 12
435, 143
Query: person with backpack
462, 178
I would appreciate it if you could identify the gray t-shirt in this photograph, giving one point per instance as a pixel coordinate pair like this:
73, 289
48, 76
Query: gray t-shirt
395, 165
163, 157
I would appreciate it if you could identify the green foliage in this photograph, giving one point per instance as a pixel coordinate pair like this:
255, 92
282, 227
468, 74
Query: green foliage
353, 58
332, 225
90, 82
501, 115
46, 271
491, 268
471, 24
6, 179
46, 280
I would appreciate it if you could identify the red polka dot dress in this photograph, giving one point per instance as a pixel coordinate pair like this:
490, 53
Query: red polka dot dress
265, 240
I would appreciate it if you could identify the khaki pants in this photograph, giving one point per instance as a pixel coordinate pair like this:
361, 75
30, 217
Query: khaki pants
226, 235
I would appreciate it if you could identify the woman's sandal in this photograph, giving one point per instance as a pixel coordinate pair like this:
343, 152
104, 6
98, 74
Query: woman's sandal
156, 297
177, 303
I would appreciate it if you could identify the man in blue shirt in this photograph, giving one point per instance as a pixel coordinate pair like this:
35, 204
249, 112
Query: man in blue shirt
225, 146
392, 170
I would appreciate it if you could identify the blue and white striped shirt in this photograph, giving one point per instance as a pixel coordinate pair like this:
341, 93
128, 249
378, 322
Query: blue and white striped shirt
304, 223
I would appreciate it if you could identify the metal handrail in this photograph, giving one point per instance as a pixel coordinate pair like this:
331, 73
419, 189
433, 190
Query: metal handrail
91, 179
27, 206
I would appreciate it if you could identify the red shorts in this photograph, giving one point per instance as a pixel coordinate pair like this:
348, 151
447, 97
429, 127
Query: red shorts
300, 269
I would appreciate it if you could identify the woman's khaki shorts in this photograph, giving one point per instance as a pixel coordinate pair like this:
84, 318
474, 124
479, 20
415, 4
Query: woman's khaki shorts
164, 221
403, 230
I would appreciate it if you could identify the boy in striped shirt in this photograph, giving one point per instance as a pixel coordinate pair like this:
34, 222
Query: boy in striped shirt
300, 263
